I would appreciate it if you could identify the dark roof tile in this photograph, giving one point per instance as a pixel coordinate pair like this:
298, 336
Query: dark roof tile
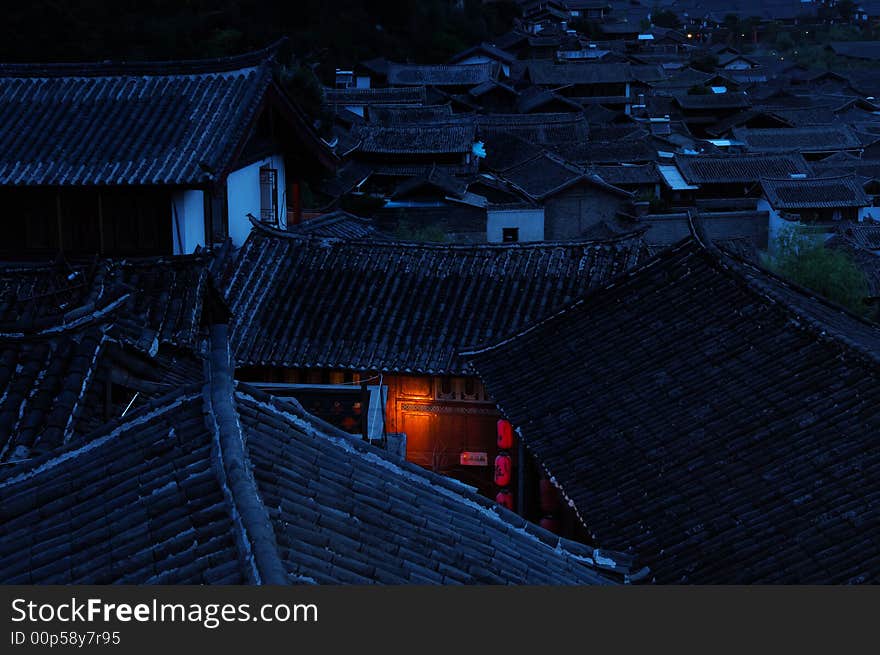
441, 74
375, 96
802, 139
549, 73
293, 297
151, 123
738, 168
336, 224
149, 499
435, 138
787, 193
735, 387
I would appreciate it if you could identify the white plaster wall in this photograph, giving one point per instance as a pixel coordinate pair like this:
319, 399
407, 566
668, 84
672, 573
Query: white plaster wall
869, 213
529, 221
775, 223
188, 221
243, 196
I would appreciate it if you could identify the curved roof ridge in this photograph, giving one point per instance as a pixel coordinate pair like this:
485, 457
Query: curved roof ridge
268, 230
593, 558
808, 178
255, 536
109, 431
71, 321
804, 319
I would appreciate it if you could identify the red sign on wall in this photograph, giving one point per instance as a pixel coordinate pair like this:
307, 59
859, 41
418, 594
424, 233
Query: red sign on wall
470, 458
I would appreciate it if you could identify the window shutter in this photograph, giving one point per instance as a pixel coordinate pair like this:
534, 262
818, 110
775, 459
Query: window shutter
269, 195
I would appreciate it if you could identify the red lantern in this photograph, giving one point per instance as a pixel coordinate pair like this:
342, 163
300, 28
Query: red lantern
504, 498
505, 435
503, 469
549, 496
551, 524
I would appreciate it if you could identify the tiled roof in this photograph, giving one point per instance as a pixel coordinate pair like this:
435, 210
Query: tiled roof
416, 304
395, 115
545, 175
435, 138
549, 73
709, 416
62, 335
441, 75
863, 235
42, 383
868, 261
804, 139
492, 85
542, 175
437, 179
346, 178
617, 132
623, 175
842, 163
336, 224
843, 191
539, 128
608, 152
723, 126
376, 96
89, 124
857, 49
865, 81
216, 483
489, 49
713, 101
738, 168
163, 295
723, 227
802, 116
505, 150
534, 98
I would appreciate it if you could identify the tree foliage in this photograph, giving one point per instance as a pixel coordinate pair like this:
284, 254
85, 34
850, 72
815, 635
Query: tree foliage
410, 229
665, 18
336, 34
830, 272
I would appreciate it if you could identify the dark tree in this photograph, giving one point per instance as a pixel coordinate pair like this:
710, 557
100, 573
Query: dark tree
665, 18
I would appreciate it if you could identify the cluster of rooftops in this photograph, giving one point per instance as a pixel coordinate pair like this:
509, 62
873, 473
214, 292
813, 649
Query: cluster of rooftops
631, 121
705, 420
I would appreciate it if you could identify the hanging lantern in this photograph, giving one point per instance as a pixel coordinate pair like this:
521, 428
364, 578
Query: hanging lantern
505, 435
504, 498
503, 469
549, 496
551, 524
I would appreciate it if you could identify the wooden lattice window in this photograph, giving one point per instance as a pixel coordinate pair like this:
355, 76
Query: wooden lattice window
269, 195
